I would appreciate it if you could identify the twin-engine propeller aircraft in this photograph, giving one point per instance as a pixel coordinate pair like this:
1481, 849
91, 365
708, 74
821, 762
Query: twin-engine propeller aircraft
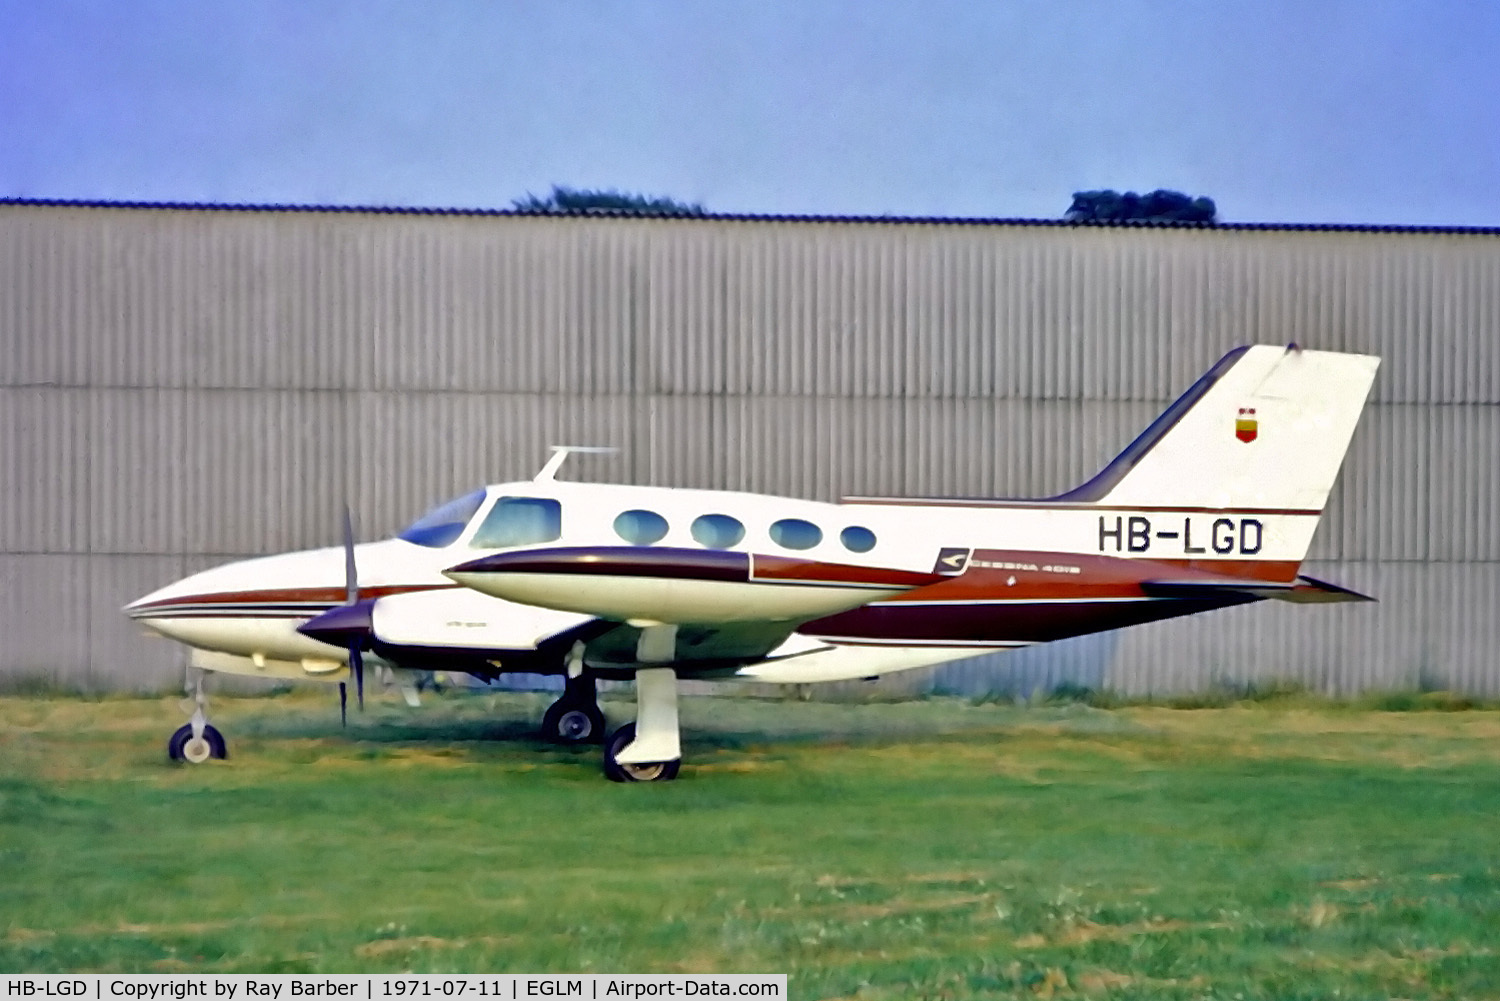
1214, 505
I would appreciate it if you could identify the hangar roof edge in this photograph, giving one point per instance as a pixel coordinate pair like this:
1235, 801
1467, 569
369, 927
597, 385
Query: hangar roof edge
749, 217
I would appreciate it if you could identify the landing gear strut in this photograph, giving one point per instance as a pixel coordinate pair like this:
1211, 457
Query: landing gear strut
197, 742
575, 718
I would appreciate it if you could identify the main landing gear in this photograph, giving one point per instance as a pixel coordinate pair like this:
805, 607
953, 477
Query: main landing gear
197, 742
575, 718
648, 750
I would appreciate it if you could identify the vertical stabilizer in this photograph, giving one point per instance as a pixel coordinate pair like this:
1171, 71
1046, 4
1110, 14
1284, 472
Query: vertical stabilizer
1265, 428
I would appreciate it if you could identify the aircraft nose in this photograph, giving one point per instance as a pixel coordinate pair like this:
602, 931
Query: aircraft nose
143, 607
152, 610
194, 595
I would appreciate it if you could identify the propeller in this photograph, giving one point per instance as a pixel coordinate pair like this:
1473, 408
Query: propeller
348, 625
351, 599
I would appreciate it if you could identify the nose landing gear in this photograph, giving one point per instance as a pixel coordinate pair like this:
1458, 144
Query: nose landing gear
197, 741
196, 749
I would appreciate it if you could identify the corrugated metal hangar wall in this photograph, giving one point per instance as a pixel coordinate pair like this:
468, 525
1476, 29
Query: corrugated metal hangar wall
183, 386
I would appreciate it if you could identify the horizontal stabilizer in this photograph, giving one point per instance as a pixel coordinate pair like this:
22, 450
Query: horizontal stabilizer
1304, 590
1210, 587
1310, 590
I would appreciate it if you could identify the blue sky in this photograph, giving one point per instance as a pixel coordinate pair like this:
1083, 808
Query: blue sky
1312, 111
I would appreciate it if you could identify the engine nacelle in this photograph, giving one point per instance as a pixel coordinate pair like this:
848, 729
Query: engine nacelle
681, 586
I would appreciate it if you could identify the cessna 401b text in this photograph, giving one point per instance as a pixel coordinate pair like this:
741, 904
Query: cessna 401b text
1214, 505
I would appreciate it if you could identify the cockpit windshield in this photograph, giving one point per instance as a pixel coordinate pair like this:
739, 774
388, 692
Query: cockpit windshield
444, 523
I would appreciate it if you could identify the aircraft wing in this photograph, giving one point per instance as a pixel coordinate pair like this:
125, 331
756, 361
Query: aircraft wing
696, 650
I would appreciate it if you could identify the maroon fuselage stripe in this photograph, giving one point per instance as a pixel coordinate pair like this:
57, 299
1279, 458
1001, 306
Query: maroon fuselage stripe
1015, 575
792, 570
1035, 596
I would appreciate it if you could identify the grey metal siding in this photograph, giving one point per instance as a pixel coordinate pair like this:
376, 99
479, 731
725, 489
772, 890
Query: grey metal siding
44, 470
181, 387
44, 612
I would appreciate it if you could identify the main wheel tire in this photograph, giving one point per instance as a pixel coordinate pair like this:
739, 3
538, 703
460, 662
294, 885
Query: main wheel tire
617, 771
183, 747
568, 722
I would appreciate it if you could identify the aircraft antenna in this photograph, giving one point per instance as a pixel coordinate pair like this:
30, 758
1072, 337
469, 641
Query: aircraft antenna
560, 455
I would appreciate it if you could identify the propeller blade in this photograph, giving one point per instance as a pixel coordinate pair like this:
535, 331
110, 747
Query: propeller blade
351, 572
357, 665
351, 600
343, 704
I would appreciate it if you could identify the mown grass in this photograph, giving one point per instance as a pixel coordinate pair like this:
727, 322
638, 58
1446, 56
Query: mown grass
935, 848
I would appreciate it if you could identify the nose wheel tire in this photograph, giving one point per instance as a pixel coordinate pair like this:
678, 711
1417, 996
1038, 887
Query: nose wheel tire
617, 771
567, 722
196, 750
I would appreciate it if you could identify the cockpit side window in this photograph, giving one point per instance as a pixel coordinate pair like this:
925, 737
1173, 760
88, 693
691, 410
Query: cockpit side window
444, 523
519, 521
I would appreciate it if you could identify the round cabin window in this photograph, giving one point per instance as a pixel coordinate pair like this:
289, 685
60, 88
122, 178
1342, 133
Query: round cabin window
794, 533
857, 539
718, 531
640, 528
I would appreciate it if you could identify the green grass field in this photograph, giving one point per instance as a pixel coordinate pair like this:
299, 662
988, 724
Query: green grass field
923, 849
